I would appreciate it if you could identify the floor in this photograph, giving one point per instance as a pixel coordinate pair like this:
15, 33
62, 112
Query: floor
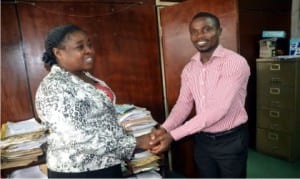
264, 166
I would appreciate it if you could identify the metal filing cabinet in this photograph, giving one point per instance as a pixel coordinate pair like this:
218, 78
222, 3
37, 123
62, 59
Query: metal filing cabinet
278, 107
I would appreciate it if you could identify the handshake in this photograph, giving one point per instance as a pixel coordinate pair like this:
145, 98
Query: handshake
156, 142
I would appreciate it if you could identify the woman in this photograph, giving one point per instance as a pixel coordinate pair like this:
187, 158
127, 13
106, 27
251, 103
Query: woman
85, 139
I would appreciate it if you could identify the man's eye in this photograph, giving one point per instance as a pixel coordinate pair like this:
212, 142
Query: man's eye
194, 33
206, 29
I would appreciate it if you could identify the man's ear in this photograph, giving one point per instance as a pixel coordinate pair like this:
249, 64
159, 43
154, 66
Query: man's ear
220, 31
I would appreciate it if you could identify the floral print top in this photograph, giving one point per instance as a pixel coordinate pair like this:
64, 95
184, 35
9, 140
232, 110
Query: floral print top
84, 133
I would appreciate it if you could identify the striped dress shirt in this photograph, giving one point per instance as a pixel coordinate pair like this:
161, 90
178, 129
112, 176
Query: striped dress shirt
218, 89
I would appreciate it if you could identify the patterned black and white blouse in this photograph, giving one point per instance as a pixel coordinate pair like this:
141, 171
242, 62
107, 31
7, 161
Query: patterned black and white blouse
84, 133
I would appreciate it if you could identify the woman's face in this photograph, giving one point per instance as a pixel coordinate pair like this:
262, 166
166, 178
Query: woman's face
76, 54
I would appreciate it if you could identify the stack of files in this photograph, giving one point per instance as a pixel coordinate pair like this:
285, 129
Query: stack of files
135, 120
28, 172
22, 143
144, 161
147, 175
138, 121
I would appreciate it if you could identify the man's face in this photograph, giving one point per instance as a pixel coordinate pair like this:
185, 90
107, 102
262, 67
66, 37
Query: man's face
204, 34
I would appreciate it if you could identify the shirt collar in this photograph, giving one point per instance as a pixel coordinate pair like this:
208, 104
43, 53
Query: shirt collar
219, 52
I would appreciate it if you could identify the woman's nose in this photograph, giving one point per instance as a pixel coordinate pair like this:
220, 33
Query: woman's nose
89, 49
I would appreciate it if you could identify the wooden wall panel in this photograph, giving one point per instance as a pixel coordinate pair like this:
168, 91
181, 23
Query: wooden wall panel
125, 40
177, 51
15, 95
177, 47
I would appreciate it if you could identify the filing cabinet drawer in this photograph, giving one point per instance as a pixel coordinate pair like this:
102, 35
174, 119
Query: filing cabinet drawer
278, 105
274, 143
277, 73
276, 97
279, 120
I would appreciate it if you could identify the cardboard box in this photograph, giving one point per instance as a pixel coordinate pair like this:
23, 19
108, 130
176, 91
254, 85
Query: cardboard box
294, 46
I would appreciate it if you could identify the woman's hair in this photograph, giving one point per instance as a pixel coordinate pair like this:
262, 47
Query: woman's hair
54, 39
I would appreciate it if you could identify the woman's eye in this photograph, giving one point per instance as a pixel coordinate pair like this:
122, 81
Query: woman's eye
80, 47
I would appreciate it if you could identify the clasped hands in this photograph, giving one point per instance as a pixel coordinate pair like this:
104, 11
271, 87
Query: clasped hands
156, 142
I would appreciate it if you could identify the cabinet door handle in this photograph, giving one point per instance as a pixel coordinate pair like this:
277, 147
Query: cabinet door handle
272, 136
274, 114
274, 90
275, 67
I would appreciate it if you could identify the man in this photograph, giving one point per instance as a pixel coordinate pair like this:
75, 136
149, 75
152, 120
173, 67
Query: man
215, 80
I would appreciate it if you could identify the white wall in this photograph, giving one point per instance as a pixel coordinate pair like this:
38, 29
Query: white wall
295, 19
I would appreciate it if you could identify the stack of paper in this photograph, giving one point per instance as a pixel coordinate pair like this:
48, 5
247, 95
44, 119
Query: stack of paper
144, 161
138, 121
135, 120
28, 172
21, 144
147, 175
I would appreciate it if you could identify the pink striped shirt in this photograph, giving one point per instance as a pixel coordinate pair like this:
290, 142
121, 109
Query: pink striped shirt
218, 89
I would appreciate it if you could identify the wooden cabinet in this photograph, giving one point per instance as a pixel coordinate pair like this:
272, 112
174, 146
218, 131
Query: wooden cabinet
124, 35
278, 103
15, 95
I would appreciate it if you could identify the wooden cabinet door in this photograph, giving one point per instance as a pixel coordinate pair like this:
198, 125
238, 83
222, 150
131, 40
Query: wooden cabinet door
15, 92
124, 36
177, 50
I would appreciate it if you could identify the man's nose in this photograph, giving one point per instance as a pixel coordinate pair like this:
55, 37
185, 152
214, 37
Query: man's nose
200, 34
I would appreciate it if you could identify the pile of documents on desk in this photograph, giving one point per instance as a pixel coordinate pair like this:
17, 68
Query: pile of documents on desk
144, 161
135, 120
138, 121
21, 143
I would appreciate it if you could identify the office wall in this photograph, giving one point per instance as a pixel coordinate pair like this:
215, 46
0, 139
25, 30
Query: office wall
295, 19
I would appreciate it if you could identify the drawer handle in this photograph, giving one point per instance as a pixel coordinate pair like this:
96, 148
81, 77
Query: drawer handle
274, 126
274, 148
274, 114
274, 90
275, 80
275, 67
275, 103
272, 136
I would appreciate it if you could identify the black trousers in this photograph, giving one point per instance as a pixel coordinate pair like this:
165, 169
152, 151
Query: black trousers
222, 155
110, 172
